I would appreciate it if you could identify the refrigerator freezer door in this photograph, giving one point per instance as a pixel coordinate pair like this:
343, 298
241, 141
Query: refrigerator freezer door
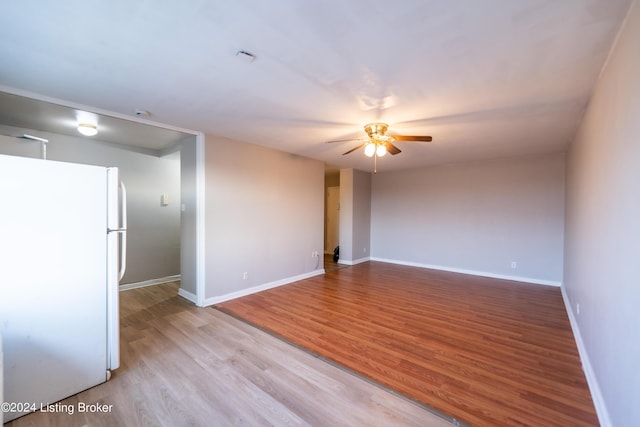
53, 298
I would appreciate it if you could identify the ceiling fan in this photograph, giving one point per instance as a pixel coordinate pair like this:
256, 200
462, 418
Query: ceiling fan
379, 144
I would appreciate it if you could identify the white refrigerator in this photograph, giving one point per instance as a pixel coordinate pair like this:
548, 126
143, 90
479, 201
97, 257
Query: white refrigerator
62, 255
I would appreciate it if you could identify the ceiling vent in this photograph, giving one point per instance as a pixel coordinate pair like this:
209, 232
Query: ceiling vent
245, 56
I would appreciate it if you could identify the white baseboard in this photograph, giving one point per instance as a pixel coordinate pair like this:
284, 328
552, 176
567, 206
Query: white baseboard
259, 288
151, 282
592, 381
354, 262
471, 272
188, 296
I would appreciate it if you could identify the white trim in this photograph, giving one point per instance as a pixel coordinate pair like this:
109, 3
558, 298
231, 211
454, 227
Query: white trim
472, 272
354, 262
592, 380
199, 299
151, 282
259, 288
188, 295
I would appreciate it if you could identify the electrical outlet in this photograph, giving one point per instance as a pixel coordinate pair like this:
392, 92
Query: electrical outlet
578, 309
245, 275
364, 250
514, 264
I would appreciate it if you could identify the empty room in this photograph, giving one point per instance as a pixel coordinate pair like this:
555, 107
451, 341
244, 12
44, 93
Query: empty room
412, 213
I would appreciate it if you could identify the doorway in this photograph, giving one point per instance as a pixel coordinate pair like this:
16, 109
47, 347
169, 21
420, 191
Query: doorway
333, 219
331, 216
146, 154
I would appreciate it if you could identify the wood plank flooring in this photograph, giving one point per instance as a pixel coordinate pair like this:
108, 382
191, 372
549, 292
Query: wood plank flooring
189, 366
488, 352
330, 265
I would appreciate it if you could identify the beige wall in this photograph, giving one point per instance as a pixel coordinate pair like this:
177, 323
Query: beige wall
264, 216
188, 217
474, 217
602, 268
355, 216
361, 244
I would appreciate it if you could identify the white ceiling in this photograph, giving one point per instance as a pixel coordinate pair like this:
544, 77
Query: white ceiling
487, 79
28, 114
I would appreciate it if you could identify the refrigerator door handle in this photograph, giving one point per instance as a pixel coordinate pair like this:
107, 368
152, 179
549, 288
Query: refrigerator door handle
123, 231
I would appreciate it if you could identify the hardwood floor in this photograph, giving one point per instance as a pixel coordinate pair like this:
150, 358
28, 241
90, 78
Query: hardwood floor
330, 265
189, 366
488, 352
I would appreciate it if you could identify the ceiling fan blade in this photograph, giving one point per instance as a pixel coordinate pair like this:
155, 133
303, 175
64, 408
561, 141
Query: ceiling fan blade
353, 149
392, 149
412, 138
345, 140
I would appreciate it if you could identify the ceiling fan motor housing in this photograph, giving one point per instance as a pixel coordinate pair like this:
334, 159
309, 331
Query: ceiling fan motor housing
375, 129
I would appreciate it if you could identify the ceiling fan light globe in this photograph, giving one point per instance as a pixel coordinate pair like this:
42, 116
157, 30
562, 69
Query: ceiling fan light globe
381, 150
370, 149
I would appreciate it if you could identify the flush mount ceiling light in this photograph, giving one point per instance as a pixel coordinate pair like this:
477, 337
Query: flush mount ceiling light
87, 129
